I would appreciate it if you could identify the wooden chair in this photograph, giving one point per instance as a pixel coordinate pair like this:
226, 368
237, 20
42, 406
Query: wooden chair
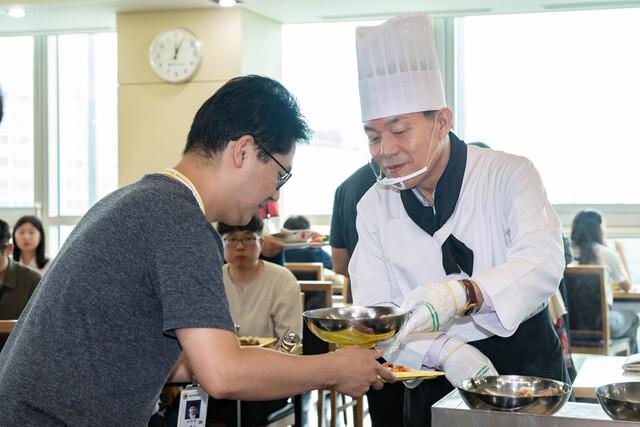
306, 270
587, 306
6, 327
318, 294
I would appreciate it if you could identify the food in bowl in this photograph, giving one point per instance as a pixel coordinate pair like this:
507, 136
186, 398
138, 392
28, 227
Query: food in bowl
355, 325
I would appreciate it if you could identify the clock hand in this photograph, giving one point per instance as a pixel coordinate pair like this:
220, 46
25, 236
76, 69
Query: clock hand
175, 52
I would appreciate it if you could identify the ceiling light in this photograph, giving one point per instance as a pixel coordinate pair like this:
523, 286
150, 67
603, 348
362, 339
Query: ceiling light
17, 12
227, 3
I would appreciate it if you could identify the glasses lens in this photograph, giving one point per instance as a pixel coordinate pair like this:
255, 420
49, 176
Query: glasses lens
232, 241
283, 179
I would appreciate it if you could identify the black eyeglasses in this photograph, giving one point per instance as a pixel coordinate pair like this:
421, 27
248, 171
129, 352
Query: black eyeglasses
287, 173
247, 240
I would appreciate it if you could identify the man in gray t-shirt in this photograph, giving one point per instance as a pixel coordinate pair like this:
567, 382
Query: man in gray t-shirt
139, 283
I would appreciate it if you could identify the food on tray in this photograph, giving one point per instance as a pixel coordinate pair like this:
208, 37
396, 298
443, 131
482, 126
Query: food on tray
395, 368
320, 238
249, 340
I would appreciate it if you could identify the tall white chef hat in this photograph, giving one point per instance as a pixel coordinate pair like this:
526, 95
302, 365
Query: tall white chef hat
398, 68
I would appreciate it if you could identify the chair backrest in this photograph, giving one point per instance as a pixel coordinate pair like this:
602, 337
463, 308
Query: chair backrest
6, 327
306, 270
317, 294
587, 305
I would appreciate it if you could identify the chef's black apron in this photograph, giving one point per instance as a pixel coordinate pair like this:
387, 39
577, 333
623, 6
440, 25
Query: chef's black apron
534, 349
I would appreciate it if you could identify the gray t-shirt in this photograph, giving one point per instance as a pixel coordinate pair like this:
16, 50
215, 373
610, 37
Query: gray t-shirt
97, 340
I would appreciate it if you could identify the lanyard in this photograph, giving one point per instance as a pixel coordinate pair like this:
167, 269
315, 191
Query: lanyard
174, 174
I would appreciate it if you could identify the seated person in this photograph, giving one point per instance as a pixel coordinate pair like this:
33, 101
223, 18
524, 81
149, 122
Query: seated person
299, 222
29, 243
587, 235
17, 282
264, 299
272, 247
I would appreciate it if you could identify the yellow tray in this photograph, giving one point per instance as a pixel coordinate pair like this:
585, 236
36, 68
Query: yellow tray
262, 341
414, 374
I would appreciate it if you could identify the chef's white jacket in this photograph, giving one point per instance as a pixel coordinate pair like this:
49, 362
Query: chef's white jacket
502, 215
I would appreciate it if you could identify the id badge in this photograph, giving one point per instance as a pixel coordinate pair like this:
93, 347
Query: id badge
193, 407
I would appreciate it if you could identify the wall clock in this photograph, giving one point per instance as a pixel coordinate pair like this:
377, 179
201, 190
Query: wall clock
175, 55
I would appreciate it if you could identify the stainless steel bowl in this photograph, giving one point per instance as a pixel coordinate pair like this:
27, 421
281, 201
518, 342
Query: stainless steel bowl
355, 325
621, 401
514, 393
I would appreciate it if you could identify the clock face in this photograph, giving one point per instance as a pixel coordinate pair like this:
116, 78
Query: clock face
175, 55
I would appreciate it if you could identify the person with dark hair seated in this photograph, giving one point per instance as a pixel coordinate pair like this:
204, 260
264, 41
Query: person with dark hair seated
264, 299
29, 243
587, 235
300, 222
17, 282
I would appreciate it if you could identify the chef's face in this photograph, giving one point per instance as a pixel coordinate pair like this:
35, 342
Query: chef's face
242, 248
401, 144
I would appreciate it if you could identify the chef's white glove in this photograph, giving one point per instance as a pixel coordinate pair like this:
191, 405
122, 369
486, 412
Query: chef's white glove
432, 307
460, 361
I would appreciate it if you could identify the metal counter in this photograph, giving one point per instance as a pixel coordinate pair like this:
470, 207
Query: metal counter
451, 411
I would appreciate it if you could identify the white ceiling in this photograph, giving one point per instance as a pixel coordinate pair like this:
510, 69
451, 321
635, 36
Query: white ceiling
71, 15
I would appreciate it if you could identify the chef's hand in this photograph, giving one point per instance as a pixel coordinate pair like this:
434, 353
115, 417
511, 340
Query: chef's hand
460, 361
357, 369
432, 307
271, 246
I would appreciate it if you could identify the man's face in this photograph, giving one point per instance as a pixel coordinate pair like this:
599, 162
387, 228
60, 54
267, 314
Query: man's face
242, 248
192, 411
263, 186
401, 144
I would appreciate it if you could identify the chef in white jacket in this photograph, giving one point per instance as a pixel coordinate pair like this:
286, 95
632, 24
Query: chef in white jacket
463, 236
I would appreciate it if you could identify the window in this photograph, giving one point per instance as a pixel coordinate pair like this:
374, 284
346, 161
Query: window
82, 121
319, 68
58, 140
16, 129
561, 89
632, 253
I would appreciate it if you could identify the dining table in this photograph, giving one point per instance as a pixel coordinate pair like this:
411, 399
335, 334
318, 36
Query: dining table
632, 295
601, 370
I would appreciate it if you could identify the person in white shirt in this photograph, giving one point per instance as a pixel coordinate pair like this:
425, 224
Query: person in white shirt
464, 237
29, 243
264, 300
588, 233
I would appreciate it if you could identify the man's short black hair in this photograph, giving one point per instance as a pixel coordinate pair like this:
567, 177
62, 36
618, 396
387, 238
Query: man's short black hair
255, 226
249, 105
5, 235
297, 222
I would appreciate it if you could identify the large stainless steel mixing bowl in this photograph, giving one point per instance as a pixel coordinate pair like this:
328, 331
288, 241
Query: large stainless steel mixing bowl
621, 401
355, 325
514, 393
